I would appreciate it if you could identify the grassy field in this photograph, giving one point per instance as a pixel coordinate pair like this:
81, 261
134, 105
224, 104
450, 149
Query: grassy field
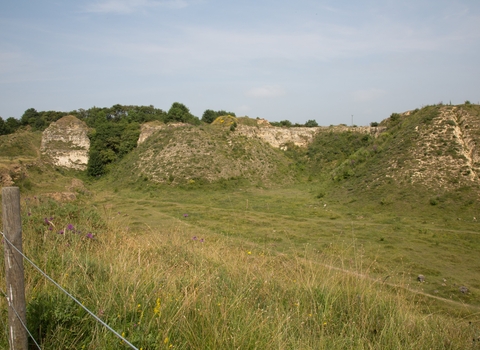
287, 220
246, 268
329, 259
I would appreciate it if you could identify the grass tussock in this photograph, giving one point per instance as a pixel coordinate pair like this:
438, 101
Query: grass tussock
176, 286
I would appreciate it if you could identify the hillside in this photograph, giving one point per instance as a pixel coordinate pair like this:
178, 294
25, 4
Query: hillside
211, 153
213, 236
431, 153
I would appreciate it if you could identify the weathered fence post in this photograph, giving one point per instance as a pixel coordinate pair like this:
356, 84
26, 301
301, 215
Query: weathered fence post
12, 229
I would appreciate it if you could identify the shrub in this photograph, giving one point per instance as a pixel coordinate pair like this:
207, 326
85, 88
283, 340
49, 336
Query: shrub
311, 123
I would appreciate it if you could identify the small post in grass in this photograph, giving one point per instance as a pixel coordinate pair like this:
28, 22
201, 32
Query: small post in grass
12, 229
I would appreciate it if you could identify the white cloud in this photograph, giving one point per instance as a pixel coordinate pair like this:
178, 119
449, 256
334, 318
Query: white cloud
266, 91
368, 95
129, 6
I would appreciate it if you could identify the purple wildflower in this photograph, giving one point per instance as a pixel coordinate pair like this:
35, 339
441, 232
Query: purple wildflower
70, 227
202, 240
50, 228
194, 238
185, 215
89, 235
60, 232
46, 221
29, 214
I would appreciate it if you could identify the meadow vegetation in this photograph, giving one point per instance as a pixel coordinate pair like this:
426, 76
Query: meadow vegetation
178, 284
327, 256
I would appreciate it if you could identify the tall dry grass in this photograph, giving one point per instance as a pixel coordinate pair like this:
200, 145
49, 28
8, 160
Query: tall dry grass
176, 286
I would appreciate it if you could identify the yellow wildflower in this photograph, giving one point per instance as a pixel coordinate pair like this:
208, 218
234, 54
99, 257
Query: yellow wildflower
157, 308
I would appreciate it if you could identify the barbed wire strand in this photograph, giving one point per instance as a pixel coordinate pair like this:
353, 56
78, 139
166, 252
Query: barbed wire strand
71, 296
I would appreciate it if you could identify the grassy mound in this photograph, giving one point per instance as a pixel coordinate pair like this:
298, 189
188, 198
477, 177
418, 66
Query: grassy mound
208, 154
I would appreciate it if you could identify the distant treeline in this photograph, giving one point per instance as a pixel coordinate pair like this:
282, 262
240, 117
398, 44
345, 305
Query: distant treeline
178, 112
115, 130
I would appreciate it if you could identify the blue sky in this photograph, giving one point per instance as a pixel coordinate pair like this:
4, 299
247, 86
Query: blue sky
295, 60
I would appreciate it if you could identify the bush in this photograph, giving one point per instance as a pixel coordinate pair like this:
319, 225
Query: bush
311, 123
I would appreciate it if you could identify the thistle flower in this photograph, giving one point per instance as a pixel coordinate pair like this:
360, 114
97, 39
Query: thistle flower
70, 227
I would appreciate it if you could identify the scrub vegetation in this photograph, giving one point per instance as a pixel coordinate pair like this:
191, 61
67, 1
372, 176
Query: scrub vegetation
306, 248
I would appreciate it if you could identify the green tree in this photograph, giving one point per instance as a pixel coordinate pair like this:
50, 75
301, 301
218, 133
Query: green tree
29, 117
12, 125
180, 113
95, 165
109, 142
209, 116
311, 123
3, 127
286, 123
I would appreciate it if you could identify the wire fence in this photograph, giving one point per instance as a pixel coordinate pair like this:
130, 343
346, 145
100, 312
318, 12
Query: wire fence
125, 341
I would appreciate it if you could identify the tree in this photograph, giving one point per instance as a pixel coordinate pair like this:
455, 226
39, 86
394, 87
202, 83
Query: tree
29, 117
209, 116
95, 165
12, 125
180, 113
286, 123
311, 123
3, 127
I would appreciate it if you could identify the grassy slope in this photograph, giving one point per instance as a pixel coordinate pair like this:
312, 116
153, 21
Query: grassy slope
286, 220
20, 156
189, 155
149, 279
282, 234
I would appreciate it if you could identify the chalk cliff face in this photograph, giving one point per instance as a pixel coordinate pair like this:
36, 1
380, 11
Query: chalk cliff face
66, 143
277, 137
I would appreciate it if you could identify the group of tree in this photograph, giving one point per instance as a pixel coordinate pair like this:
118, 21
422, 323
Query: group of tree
210, 115
287, 123
9, 126
115, 130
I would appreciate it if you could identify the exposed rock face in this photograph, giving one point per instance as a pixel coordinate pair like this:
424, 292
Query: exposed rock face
10, 174
277, 137
446, 153
66, 143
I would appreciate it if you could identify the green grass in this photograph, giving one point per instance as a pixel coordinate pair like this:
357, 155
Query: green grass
285, 220
154, 283
329, 258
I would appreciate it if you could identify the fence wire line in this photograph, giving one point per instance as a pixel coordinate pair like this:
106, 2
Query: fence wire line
24, 326
71, 296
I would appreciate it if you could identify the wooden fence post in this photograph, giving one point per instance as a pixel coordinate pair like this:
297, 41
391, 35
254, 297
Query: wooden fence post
12, 229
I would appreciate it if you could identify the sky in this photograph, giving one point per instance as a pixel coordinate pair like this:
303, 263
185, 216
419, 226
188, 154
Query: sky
331, 61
